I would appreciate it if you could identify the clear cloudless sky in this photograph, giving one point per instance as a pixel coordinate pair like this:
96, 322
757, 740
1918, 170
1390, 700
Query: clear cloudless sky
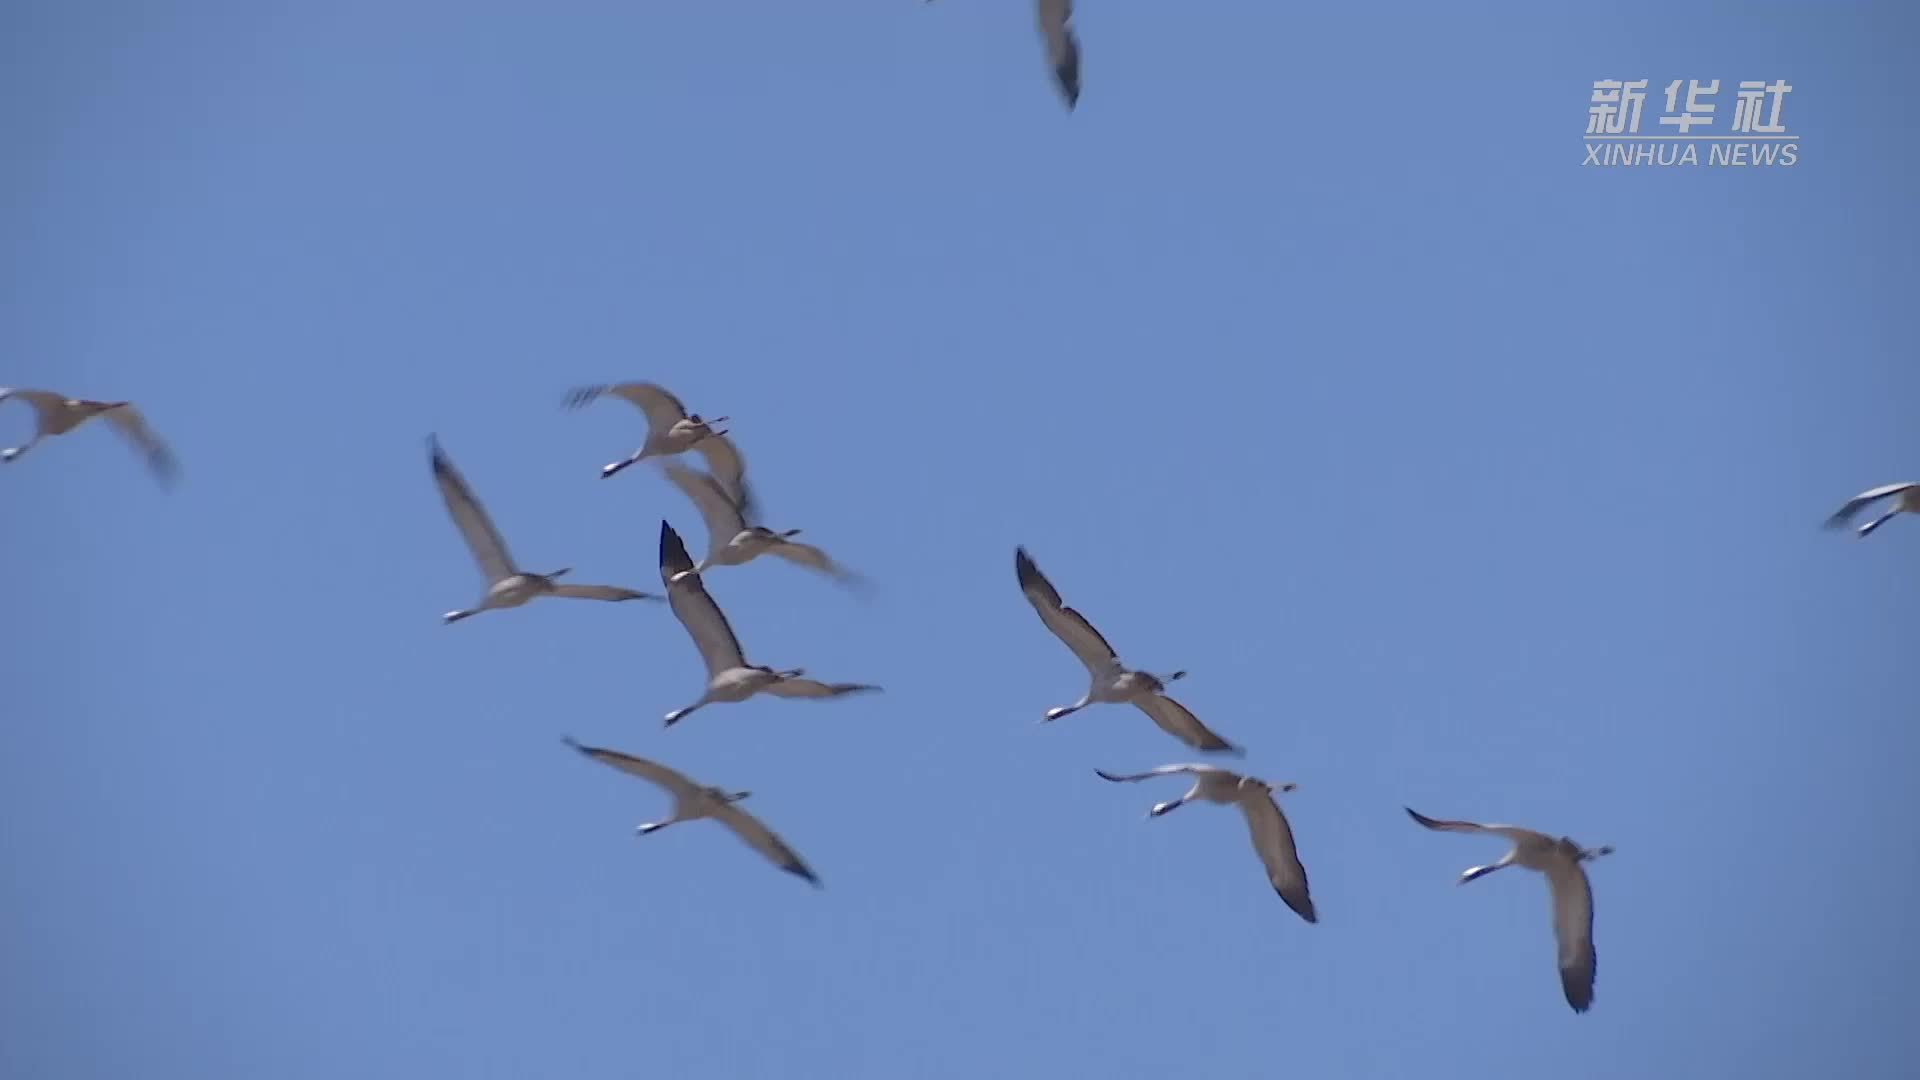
1304, 355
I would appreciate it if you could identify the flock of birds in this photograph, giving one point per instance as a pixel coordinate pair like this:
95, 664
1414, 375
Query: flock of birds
721, 496
725, 503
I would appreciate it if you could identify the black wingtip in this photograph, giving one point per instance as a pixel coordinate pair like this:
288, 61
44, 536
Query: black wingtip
1024, 568
673, 551
1304, 908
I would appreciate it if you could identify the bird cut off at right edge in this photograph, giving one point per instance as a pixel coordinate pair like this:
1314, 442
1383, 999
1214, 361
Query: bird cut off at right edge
1906, 500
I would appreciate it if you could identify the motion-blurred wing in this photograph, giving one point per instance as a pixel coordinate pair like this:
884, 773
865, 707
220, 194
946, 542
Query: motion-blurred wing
489, 549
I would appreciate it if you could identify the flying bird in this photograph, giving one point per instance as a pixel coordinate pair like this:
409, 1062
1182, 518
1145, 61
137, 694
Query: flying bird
1111, 682
1906, 499
671, 429
507, 585
1063, 48
1572, 895
729, 677
693, 801
56, 414
1272, 837
731, 541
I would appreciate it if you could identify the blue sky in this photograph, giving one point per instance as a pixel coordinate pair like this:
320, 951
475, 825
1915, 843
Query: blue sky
1304, 355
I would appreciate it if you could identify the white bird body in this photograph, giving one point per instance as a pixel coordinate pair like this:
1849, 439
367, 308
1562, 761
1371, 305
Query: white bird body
1272, 836
692, 801
507, 586
1110, 681
740, 683
1906, 500
671, 430
1560, 860
517, 590
56, 414
729, 677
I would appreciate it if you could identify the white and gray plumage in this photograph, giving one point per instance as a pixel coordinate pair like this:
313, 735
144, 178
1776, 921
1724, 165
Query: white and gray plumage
729, 677
1110, 681
1560, 861
56, 414
1063, 48
693, 801
1906, 500
1272, 837
507, 585
731, 541
671, 429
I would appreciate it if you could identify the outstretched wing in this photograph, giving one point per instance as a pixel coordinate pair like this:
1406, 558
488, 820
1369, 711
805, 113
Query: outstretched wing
1273, 840
813, 688
1511, 832
765, 841
128, 421
46, 405
675, 784
662, 409
1067, 624
729, 468
813, 558
600, 592
489, 549
1573, 931
717, 509
695, 609
1859, 502
1164, 770
1176, 720
1063, 48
